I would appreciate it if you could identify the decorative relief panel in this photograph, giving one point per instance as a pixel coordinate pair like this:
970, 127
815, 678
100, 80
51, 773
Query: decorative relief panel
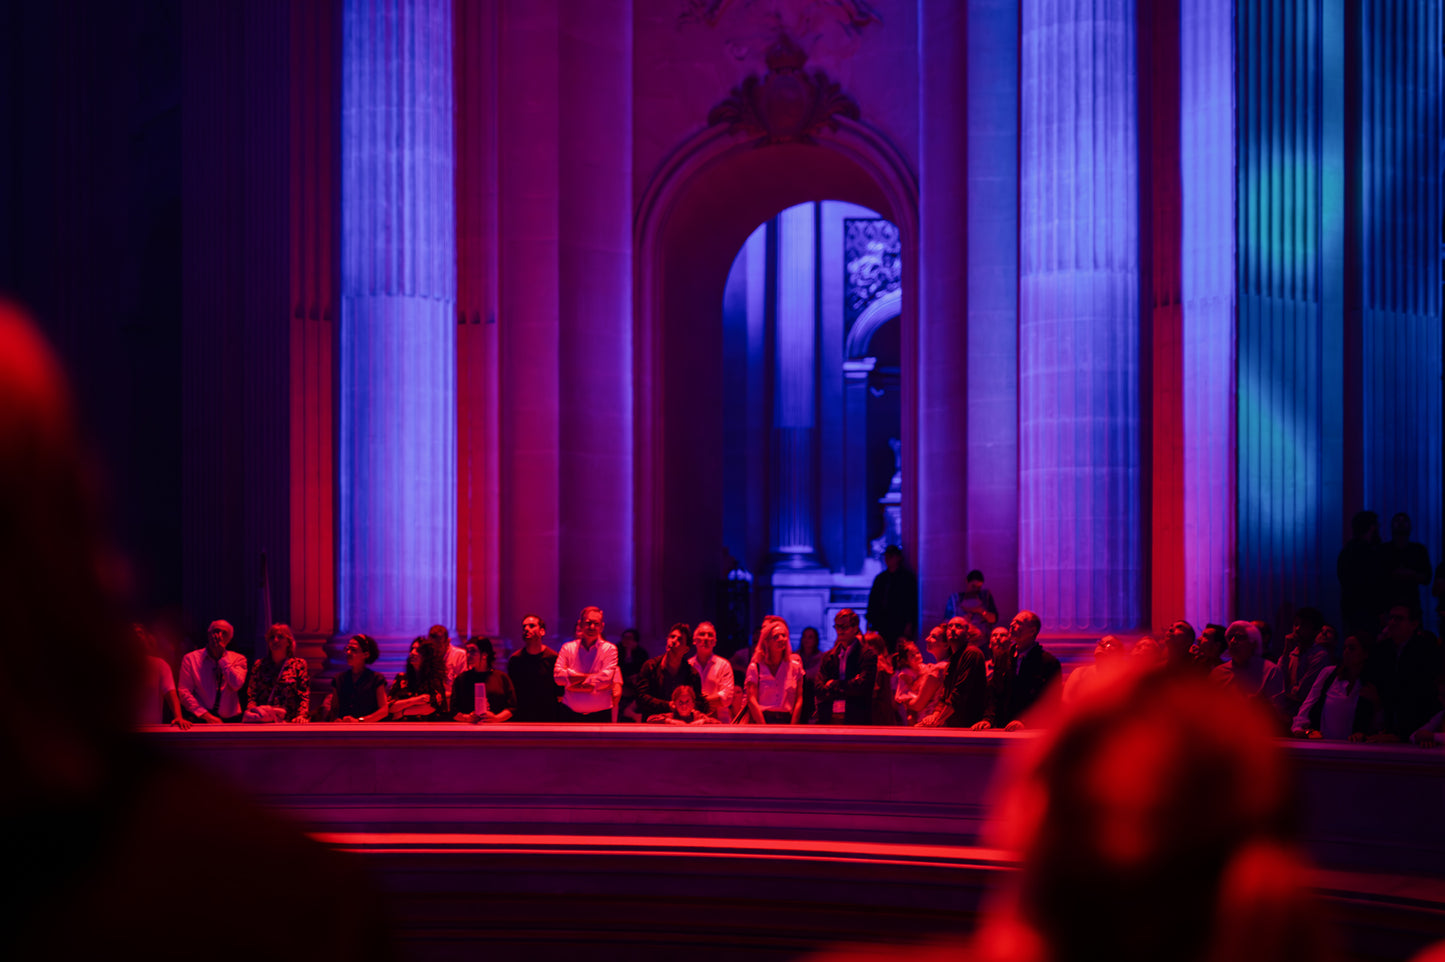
873, 256
787, 104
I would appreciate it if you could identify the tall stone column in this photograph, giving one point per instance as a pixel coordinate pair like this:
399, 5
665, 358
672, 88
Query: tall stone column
1290, 223
476, 33
398, 314
992, 300
854, 466
794, 369
528, 319
315, 192
1208, 301
237, 325
1399, 234
594, 189
1079, 525
943, 287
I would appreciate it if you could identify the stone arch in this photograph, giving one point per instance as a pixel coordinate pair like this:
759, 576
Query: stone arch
874, 316
700, 206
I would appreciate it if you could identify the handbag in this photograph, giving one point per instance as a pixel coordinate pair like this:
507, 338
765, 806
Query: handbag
264, 715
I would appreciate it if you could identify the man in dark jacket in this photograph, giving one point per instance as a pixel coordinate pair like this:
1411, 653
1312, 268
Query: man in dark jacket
846, 676
1404, 666
1036, 678
965, 684
660, 677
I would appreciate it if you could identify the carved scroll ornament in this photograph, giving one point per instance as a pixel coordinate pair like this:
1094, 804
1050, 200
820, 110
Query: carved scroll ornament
787, 104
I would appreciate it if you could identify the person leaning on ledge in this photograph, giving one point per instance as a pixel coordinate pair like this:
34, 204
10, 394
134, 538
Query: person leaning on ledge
359, 693
587, 667
482, 695
213, 678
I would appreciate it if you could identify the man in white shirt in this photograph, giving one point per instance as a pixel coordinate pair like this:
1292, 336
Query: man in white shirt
213, 678
587, 668
717, 674
455, 658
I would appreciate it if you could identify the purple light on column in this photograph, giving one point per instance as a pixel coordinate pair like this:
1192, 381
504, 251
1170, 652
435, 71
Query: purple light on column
1079, 519
398, 303
1206, 112
793, 532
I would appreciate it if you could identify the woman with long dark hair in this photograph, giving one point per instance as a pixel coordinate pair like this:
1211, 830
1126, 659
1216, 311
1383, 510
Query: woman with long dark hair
420, 692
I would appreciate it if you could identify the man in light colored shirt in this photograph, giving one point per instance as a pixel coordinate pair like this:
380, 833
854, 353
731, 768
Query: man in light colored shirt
717, 675
587, 668
1247, 671
213, 678
453, 657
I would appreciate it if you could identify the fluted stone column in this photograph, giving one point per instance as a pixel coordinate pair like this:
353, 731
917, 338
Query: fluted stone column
476, 32
854, 467
1290, 217
315, 196
528, 315
992, 300
1079, 525
398, 339
793, 415
942, 552
1206, 162
594, 311
1400, 204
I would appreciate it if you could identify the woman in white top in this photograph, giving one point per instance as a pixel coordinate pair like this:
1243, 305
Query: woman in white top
775, 677
1340, 706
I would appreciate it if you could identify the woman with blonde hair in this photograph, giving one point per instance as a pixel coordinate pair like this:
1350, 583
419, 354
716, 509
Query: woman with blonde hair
775, 677
279, 689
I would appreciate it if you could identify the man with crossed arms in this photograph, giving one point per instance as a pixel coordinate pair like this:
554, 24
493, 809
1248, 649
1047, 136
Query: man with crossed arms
587, 669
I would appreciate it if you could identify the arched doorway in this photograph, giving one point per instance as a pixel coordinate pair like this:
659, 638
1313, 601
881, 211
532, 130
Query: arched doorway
692, 220
811, 413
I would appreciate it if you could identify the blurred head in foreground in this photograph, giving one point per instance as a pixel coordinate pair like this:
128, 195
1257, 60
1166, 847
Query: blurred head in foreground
57, 580
1156, 822
108, 822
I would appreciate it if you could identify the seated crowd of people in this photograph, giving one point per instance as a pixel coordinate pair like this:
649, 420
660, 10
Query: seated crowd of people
1390, 687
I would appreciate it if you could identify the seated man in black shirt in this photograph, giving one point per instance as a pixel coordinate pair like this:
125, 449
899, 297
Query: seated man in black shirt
660, 676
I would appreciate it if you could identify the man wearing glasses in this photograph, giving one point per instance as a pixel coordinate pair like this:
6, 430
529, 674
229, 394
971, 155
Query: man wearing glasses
845, 676
586, 669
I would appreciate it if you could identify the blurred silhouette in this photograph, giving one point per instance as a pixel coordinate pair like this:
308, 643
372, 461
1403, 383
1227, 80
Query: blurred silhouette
106, 833
1156, 822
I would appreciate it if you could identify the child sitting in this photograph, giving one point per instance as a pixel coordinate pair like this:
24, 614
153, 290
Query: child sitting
684, 705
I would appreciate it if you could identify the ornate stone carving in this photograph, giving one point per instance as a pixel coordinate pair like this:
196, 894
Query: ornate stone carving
873, 254
801, 18
787, 104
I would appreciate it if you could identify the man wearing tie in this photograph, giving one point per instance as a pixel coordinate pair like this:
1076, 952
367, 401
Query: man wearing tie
212, 678
845, 677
